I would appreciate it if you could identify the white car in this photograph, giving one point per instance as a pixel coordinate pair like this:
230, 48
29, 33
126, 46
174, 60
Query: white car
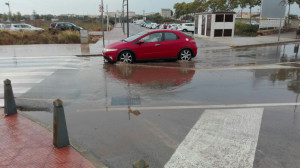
3, 26
173, 26
153, 26
23, 26
187, 27
253, 22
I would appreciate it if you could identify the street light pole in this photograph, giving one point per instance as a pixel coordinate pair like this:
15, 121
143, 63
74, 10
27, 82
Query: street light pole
102, 10
7, 3
123, 17
127, 19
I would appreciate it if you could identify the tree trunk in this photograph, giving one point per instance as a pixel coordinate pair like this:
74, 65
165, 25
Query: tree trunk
242, 14
250, 15
288, 20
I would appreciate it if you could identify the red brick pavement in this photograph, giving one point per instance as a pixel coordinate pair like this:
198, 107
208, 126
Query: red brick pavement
26, 144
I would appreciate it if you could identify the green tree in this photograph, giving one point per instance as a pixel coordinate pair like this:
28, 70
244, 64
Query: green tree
179, 9
252, 4
243, 5
222, 5
19, 16
4, 17
289, 3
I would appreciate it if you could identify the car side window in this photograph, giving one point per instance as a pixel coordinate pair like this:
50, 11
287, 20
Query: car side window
68, 25
24, 26
154, 37
170, 36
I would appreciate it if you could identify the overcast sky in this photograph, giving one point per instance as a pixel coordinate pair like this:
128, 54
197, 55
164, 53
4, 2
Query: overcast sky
91, 7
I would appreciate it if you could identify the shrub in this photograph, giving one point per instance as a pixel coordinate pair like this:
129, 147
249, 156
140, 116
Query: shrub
242, 29
31, 37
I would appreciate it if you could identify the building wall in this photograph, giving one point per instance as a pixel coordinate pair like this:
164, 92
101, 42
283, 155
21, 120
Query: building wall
166, 13
214, 25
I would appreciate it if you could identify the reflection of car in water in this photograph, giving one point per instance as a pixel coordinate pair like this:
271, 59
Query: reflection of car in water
157, 77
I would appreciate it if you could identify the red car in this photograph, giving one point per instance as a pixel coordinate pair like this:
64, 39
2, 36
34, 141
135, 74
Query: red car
149, 45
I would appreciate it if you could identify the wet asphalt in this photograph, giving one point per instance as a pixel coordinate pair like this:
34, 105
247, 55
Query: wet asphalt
123, 113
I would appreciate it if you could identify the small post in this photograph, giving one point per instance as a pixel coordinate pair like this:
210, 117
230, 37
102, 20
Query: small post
9, 99
60, 132
140, 164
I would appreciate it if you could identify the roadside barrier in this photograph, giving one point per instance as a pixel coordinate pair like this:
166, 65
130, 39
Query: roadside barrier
60, 132
9, 99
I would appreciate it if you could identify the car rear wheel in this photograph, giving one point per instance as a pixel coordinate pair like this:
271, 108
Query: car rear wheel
185, 55
126, 57
184, 30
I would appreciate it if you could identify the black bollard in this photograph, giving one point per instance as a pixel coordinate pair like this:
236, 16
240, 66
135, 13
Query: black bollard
9, 99
60, 132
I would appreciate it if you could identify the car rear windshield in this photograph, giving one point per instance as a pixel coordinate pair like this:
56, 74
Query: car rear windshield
131, 38
188, 35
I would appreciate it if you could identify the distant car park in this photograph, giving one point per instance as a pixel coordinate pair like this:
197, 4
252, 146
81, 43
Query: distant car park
187, 27
22, 27
253, 22
64, 26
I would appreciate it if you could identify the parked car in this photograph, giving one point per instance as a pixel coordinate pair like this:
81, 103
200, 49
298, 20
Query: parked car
156, 44
173, 26
253, 22
153, 26
3, 26
22, 27
64, 26
187, 27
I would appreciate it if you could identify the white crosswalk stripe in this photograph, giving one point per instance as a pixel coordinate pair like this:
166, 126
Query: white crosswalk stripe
26, 72
220, 138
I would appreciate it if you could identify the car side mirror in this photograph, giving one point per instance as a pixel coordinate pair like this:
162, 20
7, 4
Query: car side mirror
140, 41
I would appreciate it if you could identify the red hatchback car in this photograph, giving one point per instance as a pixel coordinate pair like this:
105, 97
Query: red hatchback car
149, 45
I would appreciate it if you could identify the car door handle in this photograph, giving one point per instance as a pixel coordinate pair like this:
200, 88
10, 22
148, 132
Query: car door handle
157, 45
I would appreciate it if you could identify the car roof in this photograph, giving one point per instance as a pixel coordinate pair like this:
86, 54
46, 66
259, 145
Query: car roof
162, 30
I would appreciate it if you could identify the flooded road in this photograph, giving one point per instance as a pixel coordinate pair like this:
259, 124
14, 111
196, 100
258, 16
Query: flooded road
123, 113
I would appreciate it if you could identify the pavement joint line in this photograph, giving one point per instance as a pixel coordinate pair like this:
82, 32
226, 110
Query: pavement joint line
190, 107
266, 66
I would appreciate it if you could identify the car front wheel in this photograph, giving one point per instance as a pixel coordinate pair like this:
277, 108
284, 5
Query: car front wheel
126, 57
185, 54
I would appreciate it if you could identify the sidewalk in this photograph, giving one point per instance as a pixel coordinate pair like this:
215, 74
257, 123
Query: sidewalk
24, 143
238, 42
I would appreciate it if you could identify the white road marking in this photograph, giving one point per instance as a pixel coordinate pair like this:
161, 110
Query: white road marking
43, 58
220, 138
16, 80
17, 90
19, 74
26, 72
192, 107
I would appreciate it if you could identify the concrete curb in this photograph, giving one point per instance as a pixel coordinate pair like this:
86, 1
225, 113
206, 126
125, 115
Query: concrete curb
265, 44
89, 55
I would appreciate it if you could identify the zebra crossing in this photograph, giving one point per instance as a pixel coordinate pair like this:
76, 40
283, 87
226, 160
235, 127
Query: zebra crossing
26, 72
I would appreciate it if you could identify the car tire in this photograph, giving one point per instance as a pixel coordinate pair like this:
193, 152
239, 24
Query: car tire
185, 54
126, 57
184, 30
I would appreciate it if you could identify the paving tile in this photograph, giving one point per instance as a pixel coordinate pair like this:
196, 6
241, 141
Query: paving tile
7, 155
25, 144
32, 156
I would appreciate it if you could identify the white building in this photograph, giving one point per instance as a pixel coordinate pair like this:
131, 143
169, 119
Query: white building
215, 24
166, 13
